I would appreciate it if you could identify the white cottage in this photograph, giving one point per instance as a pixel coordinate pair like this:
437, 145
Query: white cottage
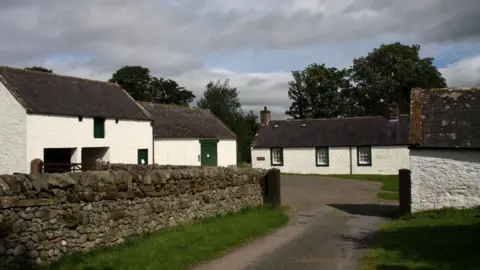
191, 136
445, 148
64, 120
354, 145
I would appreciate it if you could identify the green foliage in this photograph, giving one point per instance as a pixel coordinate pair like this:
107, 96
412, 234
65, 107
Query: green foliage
383, 77
38, 68
181, 247
138, 82
222, 100
315, 92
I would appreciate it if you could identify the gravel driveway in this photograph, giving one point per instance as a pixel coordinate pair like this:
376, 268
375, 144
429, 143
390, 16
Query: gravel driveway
332, 220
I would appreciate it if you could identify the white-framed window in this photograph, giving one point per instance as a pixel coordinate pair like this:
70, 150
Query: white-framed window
364, 155
276, 156
321, 156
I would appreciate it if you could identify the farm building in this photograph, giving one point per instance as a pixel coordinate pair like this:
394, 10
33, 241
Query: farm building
65, 120
354, 145
445, 148
191, 136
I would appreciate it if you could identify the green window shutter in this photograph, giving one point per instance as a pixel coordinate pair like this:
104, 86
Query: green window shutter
99, 128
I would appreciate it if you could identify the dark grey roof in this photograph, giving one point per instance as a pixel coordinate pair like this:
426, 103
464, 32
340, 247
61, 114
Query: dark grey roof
351, 131
46, 93
445, 118
172, 121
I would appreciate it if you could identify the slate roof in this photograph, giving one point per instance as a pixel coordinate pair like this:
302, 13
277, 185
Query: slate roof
334, 132
173, 121
445, 118
52, 94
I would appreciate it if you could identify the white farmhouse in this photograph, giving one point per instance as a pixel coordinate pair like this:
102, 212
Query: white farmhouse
191, 136
64, 120
445, 148
354, 145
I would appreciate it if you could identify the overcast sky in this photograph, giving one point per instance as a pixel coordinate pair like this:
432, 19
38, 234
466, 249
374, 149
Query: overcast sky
255, 43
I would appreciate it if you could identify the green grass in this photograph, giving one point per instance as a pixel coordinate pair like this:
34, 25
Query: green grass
389, 183
180, 247
444, 240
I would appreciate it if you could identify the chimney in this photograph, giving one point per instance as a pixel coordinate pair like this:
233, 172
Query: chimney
393, 111
264, 116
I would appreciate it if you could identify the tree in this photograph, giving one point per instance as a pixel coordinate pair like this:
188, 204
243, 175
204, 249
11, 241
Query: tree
316, 92
169, 92
383, 77
222, 100
39, 68
138, 82
388, 73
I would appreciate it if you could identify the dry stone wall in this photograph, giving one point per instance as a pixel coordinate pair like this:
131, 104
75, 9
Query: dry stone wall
43, 216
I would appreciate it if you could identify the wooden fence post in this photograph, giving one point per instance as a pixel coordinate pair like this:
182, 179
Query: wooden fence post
273, 188
405, 191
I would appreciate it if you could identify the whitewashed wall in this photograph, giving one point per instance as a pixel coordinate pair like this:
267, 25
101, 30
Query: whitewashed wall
385, 160
123, 138
12, 134
177, 152
187, 152
227, 153
444, 178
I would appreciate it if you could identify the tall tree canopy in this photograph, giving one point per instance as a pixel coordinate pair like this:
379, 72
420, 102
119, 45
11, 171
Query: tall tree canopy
315, 92
222, 100
142, 86
385, 76
39, 68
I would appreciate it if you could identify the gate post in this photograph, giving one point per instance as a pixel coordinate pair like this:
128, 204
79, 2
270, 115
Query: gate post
405, 191
36, 166
273, 188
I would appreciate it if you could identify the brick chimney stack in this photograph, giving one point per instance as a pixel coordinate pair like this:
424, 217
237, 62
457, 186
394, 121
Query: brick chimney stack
264, 116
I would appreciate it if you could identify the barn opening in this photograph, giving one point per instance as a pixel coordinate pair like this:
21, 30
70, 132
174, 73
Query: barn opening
90, 155
58, 160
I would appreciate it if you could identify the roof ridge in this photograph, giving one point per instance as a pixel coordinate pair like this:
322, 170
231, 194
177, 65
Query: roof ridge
59, 75
337, 118
452, 89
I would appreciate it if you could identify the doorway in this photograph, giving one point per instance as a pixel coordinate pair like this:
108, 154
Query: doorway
208, 152
57, 160
142, 156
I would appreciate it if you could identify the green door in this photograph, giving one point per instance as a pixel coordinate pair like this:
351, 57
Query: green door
143, 156
208, 153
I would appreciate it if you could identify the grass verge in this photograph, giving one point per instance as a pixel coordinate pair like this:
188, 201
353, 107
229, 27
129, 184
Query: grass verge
389, 182
445, 239
180, 247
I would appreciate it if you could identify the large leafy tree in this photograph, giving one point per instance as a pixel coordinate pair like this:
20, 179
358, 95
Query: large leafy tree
315, 92
222, 100
382, 77
142, 86
39, 68
387, 75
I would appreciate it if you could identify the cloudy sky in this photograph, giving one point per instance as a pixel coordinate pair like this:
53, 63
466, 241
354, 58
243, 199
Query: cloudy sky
255, 43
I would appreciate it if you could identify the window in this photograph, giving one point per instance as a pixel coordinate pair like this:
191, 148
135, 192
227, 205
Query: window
321, 156
276, 156
99, 128
364, 156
